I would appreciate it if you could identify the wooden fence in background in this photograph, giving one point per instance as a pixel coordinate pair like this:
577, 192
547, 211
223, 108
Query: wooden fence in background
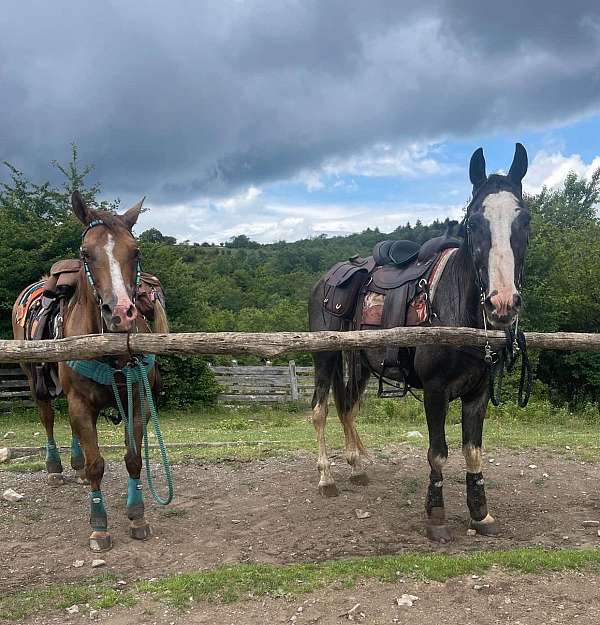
13, 387
268, 383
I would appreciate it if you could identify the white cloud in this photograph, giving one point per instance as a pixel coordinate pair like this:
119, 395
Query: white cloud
551, 169
265, 220
379, 160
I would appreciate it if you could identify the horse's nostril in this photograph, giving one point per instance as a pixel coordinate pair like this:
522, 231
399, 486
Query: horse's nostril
116, 320
106, 308
130, 312
517, 300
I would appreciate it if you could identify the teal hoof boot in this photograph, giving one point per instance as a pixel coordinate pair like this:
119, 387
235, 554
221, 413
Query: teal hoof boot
100, 541
140, 529
55, 479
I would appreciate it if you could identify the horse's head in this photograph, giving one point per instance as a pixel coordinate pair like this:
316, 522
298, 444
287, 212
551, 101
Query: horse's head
110, 255
498, 232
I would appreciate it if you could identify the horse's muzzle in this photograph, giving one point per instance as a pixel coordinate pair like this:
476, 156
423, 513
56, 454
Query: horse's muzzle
501, 309
121, 318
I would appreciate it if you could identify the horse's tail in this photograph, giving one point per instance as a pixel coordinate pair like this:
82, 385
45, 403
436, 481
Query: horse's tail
161, 323
347, 392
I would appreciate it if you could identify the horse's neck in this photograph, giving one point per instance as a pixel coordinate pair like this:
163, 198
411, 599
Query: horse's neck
83, 314
457, 299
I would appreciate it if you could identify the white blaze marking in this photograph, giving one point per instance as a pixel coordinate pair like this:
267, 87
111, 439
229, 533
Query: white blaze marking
116, 274
500, 209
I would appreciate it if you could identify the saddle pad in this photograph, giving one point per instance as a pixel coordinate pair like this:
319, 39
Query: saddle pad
30, 295
438, 270
372, 309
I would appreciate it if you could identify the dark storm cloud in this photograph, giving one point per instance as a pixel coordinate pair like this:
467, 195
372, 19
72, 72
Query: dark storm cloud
187, 98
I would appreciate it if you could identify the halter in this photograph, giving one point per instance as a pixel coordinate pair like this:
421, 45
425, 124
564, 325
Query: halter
515, 344
90, 278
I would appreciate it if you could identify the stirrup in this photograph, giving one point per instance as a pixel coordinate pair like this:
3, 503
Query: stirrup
399, 389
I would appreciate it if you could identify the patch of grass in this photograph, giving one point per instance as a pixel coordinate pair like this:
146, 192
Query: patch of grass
257, 432
241, 581
27, 466
19, 605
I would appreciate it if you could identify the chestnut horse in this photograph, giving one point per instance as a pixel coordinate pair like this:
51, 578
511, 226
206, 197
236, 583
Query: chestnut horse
103, 301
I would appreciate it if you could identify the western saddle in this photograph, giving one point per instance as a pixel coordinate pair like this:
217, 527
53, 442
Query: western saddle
41, 308
392, 288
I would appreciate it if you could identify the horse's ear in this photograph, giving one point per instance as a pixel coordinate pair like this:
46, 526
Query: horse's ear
477, 168
131, 216
518, 169
81, 209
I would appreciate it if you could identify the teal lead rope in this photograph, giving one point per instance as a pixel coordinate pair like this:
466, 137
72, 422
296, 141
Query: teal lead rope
136, 373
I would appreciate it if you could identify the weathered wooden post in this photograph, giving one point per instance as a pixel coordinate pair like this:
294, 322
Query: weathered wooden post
295, 394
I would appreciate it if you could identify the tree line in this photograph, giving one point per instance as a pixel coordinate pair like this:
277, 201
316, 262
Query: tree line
242, 285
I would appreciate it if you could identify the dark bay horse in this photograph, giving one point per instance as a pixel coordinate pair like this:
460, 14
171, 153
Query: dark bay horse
103, 301
480, 283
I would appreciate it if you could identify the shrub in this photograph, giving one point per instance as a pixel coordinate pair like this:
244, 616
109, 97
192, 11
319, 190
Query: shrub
187, 381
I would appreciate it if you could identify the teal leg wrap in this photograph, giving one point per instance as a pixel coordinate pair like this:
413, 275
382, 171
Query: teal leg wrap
77, 459
53, 463
135, 499
98, 518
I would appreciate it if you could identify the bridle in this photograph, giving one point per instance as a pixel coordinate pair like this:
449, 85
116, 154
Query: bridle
506, 357
90, 277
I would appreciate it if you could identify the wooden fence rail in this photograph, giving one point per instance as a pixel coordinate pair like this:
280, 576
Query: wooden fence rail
265, 383
13, 388
270, 344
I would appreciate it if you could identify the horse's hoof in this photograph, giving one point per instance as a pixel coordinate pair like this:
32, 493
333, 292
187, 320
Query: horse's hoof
140, 530
328, 490
56, 479
485, 527
438, 533
100, 541
360, 479
81, 477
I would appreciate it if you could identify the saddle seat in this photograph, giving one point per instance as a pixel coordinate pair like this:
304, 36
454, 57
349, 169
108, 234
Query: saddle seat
392, 288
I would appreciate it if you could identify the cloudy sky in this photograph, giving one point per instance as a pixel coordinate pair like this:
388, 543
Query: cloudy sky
283, 119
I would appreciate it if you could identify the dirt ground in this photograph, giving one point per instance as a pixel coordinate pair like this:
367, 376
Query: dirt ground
270, 511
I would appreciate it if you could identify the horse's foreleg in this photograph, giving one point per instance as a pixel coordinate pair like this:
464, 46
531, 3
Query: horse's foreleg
436, 407
139, 528
83, 425
53, 463
473, 414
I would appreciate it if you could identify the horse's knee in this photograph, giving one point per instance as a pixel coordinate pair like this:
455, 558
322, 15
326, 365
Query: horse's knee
319, 414
94, 470
133, 462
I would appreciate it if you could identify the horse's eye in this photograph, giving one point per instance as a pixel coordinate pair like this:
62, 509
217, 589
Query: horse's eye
136, 253
85, 254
